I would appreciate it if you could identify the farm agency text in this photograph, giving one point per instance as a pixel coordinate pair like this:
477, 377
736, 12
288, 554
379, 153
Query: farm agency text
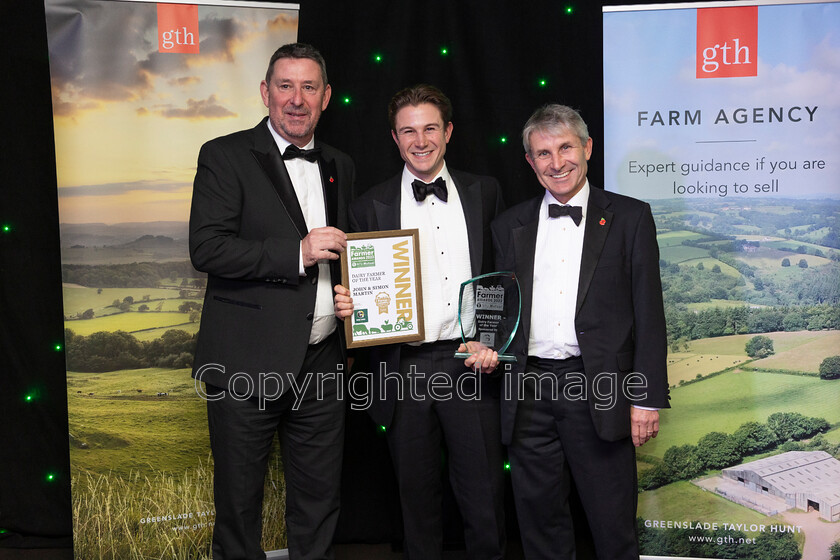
740, 115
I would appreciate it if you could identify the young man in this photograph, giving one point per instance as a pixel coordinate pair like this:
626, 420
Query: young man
452, 211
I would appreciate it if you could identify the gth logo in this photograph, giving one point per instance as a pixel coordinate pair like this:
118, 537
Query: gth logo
727, 42
177, 28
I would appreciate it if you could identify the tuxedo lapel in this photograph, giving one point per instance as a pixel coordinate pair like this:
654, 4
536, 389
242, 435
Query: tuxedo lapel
387, 208
268, 157
524, 250
470, 196
329, 178
598, 222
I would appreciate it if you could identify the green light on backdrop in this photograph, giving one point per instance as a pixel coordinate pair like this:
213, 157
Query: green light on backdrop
377, 58
444, 51
346, 100
543, 82
503, 140
50, 477
7, 228
507, 465
569, 10
382, 428
58, 347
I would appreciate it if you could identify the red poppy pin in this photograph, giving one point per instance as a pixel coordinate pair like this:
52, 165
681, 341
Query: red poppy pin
332, 180
602, 222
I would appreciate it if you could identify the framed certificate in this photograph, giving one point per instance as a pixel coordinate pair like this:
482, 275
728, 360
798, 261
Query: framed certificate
382, 271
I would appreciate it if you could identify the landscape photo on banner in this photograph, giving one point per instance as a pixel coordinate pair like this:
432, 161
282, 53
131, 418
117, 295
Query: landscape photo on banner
725, 118
137, 88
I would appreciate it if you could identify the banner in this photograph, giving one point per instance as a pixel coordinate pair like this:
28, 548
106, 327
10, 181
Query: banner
725, 117
137, 88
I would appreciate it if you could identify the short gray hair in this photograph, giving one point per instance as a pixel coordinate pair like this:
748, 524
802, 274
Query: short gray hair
554, 119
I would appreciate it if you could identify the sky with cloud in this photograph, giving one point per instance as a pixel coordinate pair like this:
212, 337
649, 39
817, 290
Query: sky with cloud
129, 120
649, 65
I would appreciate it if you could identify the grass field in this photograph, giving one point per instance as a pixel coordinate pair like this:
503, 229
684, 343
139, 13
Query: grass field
128, 322
723, 303
673, 238
692, 365
681, 253
135, 455
77, 299
126, 427
152, 334
683, 501
805, 357
782, 342
709, 262
724, 402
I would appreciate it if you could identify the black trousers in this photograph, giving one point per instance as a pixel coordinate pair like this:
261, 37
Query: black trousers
311, 430
466, 420
554, 439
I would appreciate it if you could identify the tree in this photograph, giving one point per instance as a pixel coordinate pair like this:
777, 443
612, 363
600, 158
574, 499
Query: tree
681, 462
718, 450
834, 550
88, 314
700, 266
143, 308
759, 347
776, 546
830, 368
752, 437
716, 269
785, 261
128, 299
802, 263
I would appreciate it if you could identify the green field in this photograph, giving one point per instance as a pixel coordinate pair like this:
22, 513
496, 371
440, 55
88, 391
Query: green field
681, 253
723, 303
709, 262
128, 322
673, 238
77, 299
724, 402
135, 455
126, 427
683, 501
782, 342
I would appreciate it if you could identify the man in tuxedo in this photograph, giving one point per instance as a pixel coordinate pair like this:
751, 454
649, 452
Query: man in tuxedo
267, 221
452, 211
591, 368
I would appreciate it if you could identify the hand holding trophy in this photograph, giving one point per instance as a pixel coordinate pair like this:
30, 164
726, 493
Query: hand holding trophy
490, 306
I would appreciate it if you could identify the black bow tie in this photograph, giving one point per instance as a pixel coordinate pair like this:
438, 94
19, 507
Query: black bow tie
293, 152
574, 212
421, 189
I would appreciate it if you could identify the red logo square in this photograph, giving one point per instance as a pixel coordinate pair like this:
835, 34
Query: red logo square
727, 42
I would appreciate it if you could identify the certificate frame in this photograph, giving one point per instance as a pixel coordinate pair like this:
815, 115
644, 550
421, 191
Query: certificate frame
382, 271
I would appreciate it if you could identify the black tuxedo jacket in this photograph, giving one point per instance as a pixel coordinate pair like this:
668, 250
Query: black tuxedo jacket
246, 226
378, 209
619, 317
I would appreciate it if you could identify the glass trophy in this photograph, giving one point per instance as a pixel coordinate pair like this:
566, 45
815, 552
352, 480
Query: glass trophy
489, 308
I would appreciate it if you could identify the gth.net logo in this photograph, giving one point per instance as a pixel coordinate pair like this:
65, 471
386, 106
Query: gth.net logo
727, 42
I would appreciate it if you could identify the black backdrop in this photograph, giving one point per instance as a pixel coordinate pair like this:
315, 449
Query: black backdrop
497, 53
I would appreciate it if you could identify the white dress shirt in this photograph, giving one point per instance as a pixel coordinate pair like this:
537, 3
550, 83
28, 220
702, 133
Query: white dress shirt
306, 179
556, 277
444, 255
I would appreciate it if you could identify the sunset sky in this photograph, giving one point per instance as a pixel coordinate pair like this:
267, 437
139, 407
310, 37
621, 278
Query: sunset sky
129, 121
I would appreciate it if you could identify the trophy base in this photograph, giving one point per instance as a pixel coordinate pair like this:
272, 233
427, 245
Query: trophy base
502, 357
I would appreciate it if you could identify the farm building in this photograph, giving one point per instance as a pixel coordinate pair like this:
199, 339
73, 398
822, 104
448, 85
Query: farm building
804, 479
